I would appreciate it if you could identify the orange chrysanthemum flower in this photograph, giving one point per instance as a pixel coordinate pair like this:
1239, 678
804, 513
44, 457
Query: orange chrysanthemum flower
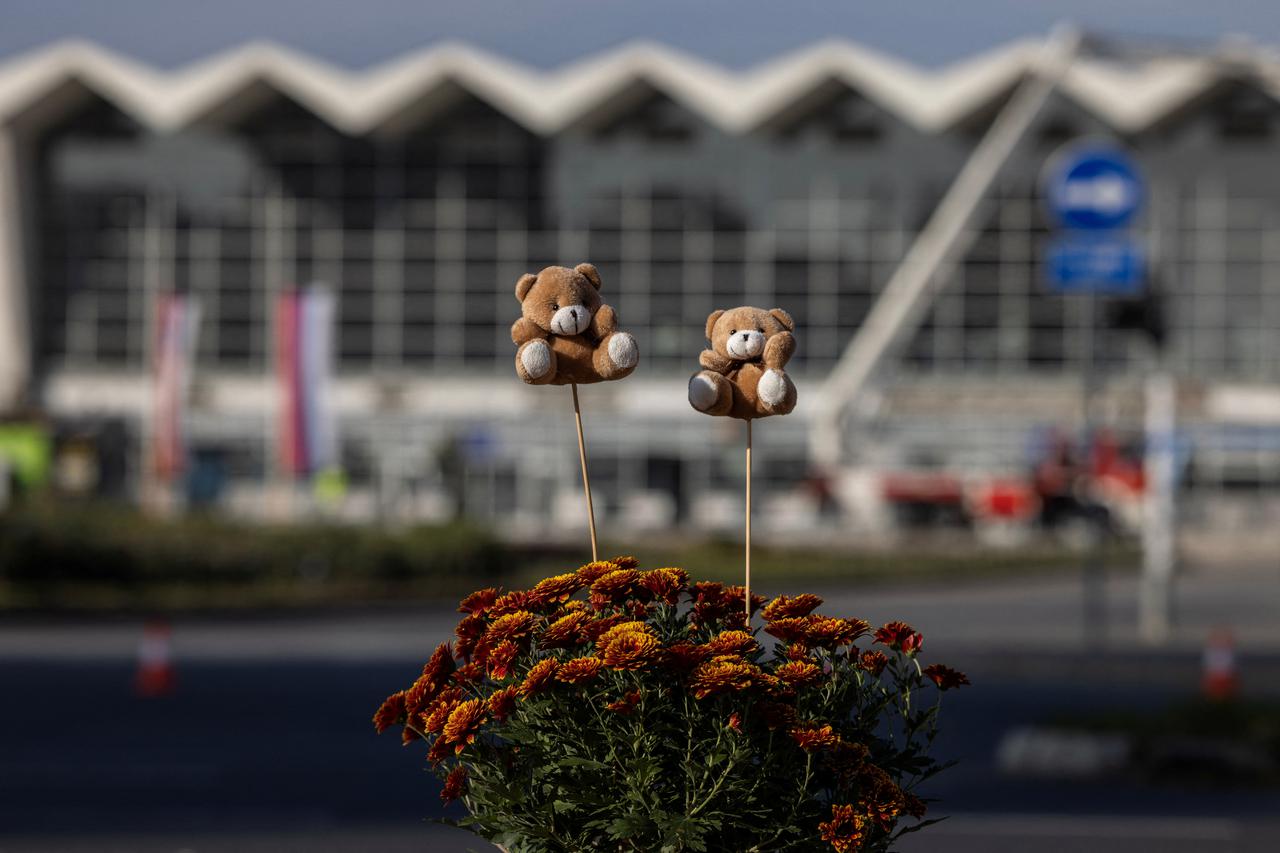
736, 598
846, 830
665, 584
799, 673
538, 677
790, 607
391, 712
626, 562
797, 651
945, 677
419, 694
554, 589
730, 642
831, 633
873, 662
512, 602
463, 724
435, 716
879, 796
722, 675
735, 721
900, 636
454, 784
591, 572
614, 588
810, 737
501, 659
511, 626
595, 629
565, 632
578, 670
478, 602
626, 704
617, 630
408, 736
502, 703
632, 650
441, 664
789, 629
469, 673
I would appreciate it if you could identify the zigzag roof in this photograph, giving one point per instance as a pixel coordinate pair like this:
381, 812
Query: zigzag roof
1126, 96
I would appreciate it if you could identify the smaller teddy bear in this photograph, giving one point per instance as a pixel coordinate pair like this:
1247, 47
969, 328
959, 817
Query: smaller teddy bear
743, 374
567, 335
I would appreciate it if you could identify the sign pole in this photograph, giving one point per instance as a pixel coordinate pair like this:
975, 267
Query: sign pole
1092, 578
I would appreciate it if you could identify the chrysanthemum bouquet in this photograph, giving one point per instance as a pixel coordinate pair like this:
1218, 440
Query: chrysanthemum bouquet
618, 709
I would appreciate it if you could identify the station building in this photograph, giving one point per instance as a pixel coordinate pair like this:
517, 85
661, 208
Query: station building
420, 190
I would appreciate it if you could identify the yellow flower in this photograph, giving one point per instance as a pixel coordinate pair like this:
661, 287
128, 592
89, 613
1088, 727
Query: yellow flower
845, 831
578, 670
538, 677
632, 650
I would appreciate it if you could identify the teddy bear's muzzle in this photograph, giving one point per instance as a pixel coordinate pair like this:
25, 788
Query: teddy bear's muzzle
745, 344
571, 320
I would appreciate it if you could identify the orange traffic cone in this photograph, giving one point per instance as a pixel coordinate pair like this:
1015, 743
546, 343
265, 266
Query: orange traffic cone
156, 675
1220, 681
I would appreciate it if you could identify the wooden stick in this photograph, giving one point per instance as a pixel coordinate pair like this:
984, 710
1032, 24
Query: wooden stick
586, 481
747, 586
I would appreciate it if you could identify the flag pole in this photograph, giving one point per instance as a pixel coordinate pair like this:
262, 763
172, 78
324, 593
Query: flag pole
586, 481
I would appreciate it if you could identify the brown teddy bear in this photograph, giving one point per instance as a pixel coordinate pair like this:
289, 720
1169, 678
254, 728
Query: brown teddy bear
567, 335
743, 373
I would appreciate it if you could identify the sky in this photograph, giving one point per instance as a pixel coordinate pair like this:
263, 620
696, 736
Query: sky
547, 33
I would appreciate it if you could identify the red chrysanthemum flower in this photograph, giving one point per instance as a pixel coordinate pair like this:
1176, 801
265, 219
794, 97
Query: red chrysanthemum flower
777, 715
469, 631
945, 677
441, 663
512, 626
422, 691
578, 670
810, 737
566, 632
626, 704
537, 678
439, 752
626, 562
914, 806
454, 784
390, 713
631, 651
786, 607
735, 722
592, 572
501, 658
900, 636
469, 673
683, 656
880, 797
502, 703
730, 642
478, 602
799, 673
554, 589
846, 830
463, 724
595, 629
797, 651
873, 662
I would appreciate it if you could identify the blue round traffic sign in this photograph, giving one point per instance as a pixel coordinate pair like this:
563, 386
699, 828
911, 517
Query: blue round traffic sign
1093, 187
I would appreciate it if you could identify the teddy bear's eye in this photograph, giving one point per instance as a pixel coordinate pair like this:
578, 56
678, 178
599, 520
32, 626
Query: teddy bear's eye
555, 306
760, 330
733, 331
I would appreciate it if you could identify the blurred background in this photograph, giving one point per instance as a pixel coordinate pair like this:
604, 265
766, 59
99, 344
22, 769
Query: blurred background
259, 423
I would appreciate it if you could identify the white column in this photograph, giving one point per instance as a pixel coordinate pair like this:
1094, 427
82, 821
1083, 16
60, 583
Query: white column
1159, 527
15, 335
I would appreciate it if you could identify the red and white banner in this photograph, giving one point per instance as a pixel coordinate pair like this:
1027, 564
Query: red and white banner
177, 328
304, 369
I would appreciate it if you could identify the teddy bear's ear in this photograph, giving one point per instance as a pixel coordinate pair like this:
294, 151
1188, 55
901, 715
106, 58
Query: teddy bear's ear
711, 321
592, 274
524, 285
784, 318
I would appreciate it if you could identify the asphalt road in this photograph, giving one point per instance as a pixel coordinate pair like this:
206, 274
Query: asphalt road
266, 744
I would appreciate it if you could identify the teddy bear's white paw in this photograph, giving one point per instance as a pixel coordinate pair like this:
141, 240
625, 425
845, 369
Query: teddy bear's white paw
623, 350
702, 393
772, 387
536, 358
